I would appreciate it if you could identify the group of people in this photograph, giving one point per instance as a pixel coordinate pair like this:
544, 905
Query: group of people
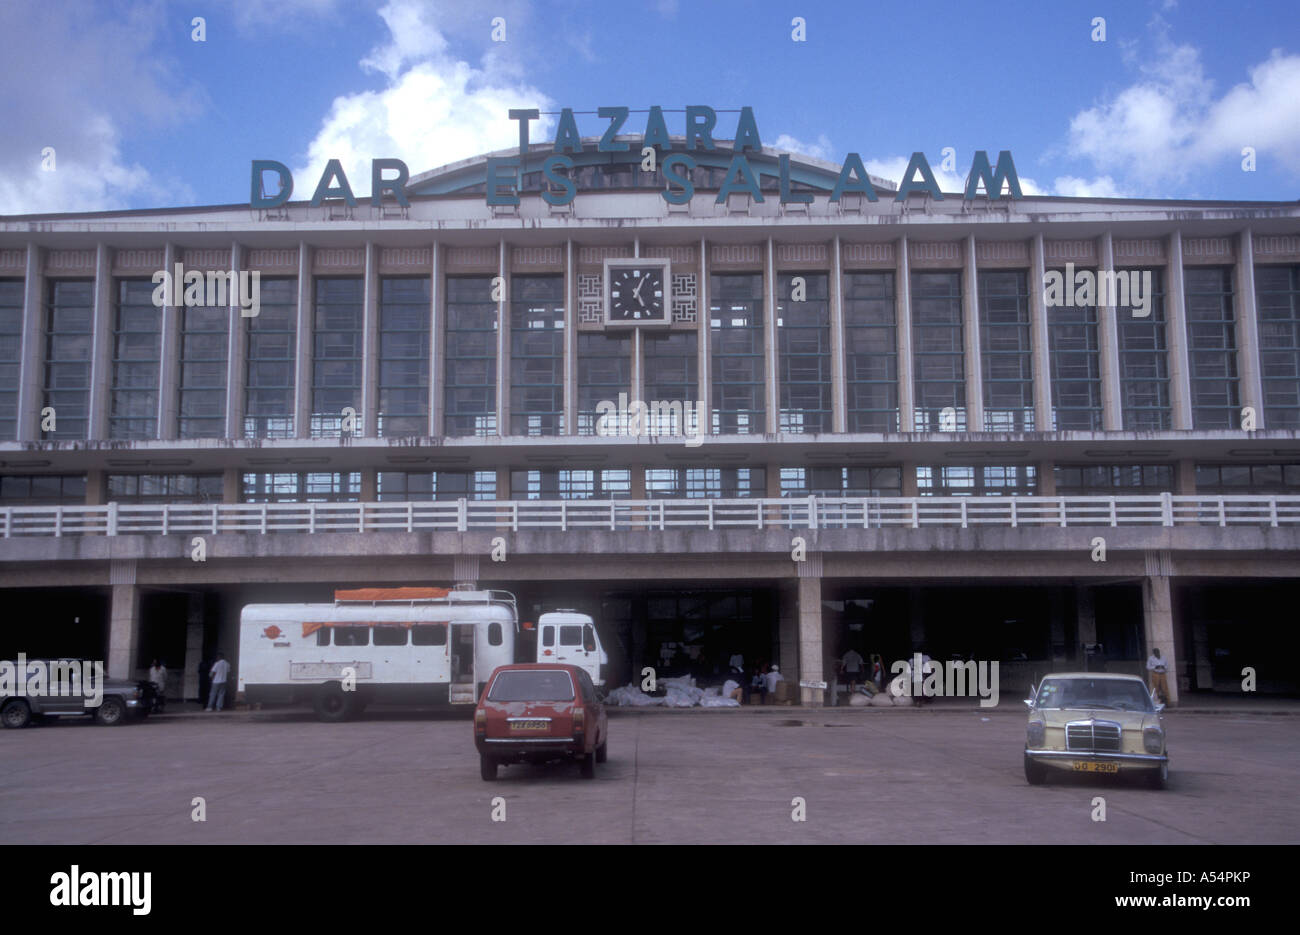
218, 673
763, 678
855, 670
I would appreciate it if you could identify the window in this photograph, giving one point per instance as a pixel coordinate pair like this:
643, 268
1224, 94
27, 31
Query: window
11, 348
323, 636
438, 485
1212, 348
842, 481
949, 480
871, 352
531, 685
429, 634
1248, 478
204, 350
571, 484
1101, 479
548, 636
803, 330
537, 355
270, 366
588, 639
392, 635
1144, 360
494, 634
137, 346
604, 371
1277, 300
165, 488
938, 351
671, 377
570, 635
351, 636
336, 366
1076, 366
699, 482
42, 489
68, 352
736, 333
1006, 352
302, 488
470, 378
404, 356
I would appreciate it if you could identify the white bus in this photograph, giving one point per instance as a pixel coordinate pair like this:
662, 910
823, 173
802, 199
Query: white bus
424, 646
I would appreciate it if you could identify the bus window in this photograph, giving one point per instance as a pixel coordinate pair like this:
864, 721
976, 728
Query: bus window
323, 636
588, 638
494, 634
570, 635
548, 636
351, 636
429, 634
390, 636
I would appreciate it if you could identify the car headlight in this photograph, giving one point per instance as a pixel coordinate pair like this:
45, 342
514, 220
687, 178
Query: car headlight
1035, 733
1153, 739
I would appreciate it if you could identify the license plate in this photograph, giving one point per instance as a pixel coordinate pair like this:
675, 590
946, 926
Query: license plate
1095, 766
530, 725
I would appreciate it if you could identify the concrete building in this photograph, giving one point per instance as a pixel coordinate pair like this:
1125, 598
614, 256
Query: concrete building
904, 439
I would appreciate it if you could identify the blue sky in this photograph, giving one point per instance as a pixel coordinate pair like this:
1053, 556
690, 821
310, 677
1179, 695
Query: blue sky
139, 115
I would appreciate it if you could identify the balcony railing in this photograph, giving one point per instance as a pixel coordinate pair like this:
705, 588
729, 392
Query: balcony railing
813, 512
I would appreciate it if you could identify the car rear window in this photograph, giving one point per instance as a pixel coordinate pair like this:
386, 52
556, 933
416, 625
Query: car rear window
527, 685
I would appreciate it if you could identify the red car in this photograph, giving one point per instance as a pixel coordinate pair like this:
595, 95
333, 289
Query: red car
537, 713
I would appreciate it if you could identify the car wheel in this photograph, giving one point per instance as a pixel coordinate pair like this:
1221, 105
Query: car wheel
589, 765
16, 714
487, 767
111, 712
602, 752
1035, 773
1156, 778
333, 704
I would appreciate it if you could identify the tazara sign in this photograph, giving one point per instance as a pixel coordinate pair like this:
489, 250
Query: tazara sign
559, 188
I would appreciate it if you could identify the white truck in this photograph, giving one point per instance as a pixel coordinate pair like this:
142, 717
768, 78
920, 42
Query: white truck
425, 646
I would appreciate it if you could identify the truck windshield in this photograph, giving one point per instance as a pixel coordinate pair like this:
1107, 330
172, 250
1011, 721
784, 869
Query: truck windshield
524, 685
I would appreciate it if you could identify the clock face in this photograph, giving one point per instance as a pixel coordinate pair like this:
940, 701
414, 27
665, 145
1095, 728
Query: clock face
636, 294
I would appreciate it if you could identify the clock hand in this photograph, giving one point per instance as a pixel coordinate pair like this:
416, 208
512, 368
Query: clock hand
636, 293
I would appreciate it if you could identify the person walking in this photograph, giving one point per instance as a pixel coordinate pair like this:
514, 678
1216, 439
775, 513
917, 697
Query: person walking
158, 675
219, 674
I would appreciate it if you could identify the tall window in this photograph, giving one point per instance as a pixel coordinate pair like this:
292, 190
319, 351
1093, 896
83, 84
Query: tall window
537, 355
438, 485
403, 356
1006, 351
11, 349
1212, 348
571, 484
938, 350
165, 488
137, 349
1076, 366
302, 487
1144, 360
604, 371
871, 352
1277, 297
270, 367
989, 480
470, 379
68, 337
672, 376
204, 350
803, 330
736, 332
336, 368
710, 482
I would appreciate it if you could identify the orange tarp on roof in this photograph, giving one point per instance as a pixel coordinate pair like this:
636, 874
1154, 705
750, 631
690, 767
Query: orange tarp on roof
391, 594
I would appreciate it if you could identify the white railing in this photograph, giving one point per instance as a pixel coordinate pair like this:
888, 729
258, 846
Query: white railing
659, 515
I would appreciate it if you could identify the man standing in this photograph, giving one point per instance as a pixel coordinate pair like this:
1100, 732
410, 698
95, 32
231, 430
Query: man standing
219, 674
851, 665
158, 675
1156, 672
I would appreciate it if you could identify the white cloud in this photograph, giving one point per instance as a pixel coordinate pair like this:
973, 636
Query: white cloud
74, 82
1100, 187
1169, 123
436, 108
818, 150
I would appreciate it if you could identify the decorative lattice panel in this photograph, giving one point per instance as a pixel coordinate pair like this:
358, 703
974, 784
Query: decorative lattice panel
684, 297
590, 299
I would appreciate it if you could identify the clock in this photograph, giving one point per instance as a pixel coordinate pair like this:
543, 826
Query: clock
638, 292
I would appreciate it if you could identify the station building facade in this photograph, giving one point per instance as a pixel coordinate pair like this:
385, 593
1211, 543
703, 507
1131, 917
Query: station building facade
888, 435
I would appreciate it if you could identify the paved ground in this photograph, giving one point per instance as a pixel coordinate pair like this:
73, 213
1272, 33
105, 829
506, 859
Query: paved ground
681, 777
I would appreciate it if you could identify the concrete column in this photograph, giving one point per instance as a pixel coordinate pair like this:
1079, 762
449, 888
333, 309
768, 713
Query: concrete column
503, 483
705, 342
302, 401
909, 479
1185, 479
236, 355
437, 342
31, 392
169, 369
96, 487
1180, 385
570, 365
1112, 414
1248, 355
772, 348
810, 639
101, 361
903, 317
193, 647
1046, 478
369, 485
124, 619
1039, 339
369, 403
231, 486
1158, 627
839, 390
788, 631
503, 343
971, 322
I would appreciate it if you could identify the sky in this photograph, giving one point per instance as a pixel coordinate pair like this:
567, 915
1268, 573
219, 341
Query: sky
112, 104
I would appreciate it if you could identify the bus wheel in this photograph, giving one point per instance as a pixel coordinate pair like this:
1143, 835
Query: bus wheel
333, 704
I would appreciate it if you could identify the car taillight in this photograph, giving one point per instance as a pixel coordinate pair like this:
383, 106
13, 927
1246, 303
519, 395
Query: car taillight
480, 721
579, 717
